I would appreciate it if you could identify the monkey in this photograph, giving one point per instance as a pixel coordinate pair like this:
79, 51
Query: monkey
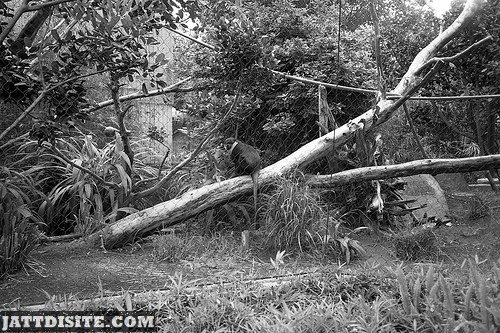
246, 160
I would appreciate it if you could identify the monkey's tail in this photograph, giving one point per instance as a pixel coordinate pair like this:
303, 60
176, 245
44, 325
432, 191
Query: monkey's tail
255, 180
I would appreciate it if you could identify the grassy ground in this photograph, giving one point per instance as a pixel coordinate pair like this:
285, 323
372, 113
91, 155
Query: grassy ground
214, 284
361, 297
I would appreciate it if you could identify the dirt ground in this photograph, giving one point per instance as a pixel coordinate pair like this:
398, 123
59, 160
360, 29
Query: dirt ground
476, 226
63, 272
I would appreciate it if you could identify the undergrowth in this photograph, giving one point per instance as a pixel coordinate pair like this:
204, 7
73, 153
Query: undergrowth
416, 244
171, 248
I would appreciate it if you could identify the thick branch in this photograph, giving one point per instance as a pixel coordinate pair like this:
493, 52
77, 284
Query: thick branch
12, 22
429, 166
406, 96
428, 52
170, 89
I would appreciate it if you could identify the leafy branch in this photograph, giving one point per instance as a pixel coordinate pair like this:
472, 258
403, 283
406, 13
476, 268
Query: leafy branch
40, 97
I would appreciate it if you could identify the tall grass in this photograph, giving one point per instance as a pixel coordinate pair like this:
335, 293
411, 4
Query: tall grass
295, 219
290, 212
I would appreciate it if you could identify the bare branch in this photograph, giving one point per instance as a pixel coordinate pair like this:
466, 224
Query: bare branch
202, 43
397, 104
23, 115
170, 89
195, 153
428, 52
458, 55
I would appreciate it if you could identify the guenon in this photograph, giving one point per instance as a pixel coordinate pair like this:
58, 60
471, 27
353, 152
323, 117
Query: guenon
246, 160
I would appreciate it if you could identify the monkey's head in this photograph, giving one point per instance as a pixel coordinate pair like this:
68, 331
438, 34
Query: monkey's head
228, 143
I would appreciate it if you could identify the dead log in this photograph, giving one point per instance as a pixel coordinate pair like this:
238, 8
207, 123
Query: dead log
196, 201
141, 296
430, 166
62, 238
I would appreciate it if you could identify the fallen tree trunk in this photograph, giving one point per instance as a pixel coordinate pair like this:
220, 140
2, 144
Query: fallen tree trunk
196, 201
430, 166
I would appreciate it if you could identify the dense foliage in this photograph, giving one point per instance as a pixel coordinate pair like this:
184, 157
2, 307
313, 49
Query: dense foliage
276, 113
47, 60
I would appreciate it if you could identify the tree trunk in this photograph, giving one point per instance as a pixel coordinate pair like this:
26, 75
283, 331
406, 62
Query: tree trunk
196, 201
430, 166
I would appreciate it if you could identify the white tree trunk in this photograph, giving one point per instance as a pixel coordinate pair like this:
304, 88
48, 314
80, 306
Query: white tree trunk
430, 166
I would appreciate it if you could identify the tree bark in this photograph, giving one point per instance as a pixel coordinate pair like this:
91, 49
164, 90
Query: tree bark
196, 201
430, 166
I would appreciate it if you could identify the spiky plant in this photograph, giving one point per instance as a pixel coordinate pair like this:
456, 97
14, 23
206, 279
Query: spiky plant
18, 221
